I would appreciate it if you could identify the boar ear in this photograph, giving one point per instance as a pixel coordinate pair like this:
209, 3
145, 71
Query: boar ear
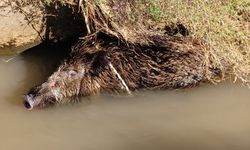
100, 60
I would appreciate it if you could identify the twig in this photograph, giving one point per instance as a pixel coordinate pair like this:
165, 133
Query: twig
120, 78
8, 60
81, 7
80, 3
87, 36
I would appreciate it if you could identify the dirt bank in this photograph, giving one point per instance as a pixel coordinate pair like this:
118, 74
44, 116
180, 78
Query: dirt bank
25, 23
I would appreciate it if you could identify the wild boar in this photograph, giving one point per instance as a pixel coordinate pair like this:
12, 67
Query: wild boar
105, 64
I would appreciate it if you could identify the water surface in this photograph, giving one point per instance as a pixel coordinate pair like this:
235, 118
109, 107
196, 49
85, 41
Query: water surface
208, 117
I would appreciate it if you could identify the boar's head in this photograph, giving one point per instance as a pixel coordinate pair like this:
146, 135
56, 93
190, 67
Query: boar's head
74, 77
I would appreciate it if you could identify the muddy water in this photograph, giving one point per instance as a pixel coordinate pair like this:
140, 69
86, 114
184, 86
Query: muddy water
208, 117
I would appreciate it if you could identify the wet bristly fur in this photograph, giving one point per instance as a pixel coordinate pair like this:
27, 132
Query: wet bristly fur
168, 63
121, 59
103, 63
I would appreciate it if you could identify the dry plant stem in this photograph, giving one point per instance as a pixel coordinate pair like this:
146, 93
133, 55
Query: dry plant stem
222, 26
8, 60
83, 6
120, 78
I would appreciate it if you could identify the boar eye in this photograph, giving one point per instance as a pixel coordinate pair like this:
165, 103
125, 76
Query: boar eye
72, 73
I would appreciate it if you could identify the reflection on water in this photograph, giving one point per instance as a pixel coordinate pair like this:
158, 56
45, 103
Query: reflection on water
208, 117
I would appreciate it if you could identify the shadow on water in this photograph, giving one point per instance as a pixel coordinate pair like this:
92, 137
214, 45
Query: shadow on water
38, 63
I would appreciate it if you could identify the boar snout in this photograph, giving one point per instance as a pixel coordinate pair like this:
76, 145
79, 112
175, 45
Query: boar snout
28, 101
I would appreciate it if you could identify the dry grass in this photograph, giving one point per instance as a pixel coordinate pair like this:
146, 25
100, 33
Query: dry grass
223, 26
